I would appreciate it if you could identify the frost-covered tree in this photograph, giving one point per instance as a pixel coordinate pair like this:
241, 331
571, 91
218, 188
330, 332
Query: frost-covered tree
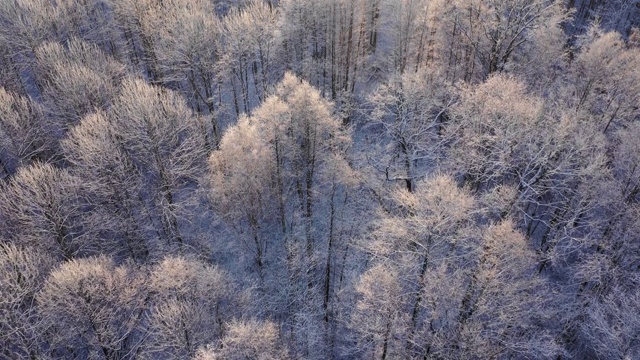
22, 273
250, 48
506, 309
161, 138
505, 137
246, 340
411, 108
78, 79
303, 146
604, 79
429, 230
276, 176
479, 38
24, 133
112, 185
42, 207
244, 186
190, 301
187, 40
27, 24
131, 17
91, 308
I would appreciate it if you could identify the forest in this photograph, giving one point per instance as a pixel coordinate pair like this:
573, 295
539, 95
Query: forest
319, 179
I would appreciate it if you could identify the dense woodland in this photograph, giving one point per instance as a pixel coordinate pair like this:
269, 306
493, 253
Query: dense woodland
319, 179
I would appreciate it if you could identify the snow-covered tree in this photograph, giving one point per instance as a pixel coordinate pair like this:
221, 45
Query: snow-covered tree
189, 304
24, 133
22, 273
42, 207
92, 307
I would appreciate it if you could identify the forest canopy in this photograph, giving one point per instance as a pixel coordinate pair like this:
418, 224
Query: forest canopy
319, 179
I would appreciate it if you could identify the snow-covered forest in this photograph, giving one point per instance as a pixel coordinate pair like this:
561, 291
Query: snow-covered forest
319, 179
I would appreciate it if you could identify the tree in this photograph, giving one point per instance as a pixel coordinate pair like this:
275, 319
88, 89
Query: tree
289, 160
626, 161
435, 281
544, 58
188, 45
304, 145
506, 307
92, 307
411, 109
78, 80
484, 36
161, 137
41, 207
24, 133
27, 24
407, 25
22, 273
89, 20
427, 231
244, 184
610, 326
604, 79
505, 137
250, 41
131, 17
190, 301
496, 123
113, 187
378, 311
250, 339
617, 15
309, 145
329, 43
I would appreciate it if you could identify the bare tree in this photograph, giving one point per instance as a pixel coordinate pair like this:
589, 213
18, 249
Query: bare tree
506, 137
505, 301
244, 186
41, 207
91, 308
188, 43
604, 79
246, 340
188, 307
482, 37
428, 231
112, 186
412, 109
378, 316
162, 138
78, 79
251, 41
27, 24
22, 273
24, 133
